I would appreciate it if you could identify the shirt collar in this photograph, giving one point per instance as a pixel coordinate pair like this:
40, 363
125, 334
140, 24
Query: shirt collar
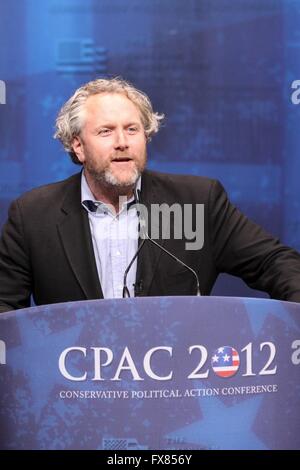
91, 204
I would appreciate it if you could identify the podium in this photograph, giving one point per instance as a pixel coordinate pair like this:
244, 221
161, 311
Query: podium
151, 373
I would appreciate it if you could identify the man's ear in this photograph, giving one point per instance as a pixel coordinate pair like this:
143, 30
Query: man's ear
77, 147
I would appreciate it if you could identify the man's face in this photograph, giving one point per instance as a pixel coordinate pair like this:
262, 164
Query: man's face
112, 143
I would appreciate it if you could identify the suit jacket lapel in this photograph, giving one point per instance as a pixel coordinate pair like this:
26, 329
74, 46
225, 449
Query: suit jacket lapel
76, 238
148, 259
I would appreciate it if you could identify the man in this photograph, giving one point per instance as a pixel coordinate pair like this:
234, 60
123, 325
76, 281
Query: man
69, 241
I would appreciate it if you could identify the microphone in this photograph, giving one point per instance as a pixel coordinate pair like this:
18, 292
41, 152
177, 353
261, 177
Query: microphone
145, 237
138, 286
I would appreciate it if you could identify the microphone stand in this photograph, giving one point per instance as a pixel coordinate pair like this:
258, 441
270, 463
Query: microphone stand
126, 293
145, 237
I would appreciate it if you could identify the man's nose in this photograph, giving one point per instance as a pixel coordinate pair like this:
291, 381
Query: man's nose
121, 141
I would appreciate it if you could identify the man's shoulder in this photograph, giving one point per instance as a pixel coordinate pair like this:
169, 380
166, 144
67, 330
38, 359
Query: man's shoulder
51, 192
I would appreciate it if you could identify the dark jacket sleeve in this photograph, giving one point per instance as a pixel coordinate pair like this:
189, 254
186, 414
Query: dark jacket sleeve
15, 272
242, 248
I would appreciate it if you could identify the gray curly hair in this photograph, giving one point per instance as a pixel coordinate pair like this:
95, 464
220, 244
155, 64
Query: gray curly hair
70, 119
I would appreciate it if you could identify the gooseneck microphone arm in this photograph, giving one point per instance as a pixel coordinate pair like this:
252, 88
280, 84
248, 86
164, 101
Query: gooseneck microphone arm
126, 293
198, 293
145, 236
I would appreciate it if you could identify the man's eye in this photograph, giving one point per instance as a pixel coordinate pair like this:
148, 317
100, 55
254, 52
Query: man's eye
132, 129
104, 131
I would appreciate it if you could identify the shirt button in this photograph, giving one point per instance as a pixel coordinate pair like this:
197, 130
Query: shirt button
118, 253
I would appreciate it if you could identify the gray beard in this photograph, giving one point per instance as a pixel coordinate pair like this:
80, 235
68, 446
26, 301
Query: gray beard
107, 179
111, 180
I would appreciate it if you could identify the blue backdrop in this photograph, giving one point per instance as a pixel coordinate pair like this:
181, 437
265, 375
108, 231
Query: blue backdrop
221, 70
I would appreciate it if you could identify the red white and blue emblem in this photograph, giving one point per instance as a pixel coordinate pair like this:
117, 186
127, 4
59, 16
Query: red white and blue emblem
225, 361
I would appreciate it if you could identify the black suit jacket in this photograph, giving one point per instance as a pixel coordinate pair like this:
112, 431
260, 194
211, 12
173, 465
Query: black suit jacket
46, 248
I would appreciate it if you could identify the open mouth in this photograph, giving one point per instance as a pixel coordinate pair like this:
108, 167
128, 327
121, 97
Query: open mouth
122, 160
